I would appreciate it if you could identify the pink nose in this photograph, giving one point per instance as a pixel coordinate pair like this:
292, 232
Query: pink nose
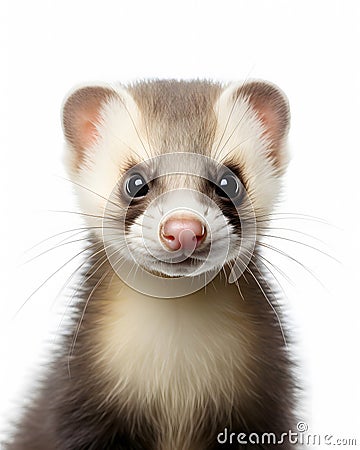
186, 232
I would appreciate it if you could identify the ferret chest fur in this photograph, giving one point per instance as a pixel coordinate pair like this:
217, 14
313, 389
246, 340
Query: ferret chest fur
183, 362
176, 341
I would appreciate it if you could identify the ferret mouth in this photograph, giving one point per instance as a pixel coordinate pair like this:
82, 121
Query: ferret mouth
181, 263
186, 267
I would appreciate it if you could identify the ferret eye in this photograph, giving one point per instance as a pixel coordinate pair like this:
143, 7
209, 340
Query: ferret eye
136, 186
228, 186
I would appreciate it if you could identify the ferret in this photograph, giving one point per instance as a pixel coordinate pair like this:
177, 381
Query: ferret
176, 334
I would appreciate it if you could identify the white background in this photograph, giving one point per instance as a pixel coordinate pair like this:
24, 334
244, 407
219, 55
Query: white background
309, 48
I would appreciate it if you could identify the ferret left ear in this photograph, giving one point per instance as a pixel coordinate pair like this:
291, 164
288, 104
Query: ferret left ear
272, 108
81, 118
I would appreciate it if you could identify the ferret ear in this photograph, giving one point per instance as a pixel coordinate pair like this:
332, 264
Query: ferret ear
272, 108
82, 115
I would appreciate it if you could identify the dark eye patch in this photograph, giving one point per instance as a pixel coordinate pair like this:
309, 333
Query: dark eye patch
230, 192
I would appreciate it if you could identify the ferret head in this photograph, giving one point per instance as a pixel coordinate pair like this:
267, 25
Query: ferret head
173, 175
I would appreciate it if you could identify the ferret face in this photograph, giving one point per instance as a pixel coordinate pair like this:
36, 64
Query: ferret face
180, 215
172, 175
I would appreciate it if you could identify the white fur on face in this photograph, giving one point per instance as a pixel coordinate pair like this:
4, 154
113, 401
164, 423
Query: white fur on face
144, 240
100, 171
240, 136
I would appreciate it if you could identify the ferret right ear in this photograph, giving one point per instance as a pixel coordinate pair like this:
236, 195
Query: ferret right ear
82, 117
271, 107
